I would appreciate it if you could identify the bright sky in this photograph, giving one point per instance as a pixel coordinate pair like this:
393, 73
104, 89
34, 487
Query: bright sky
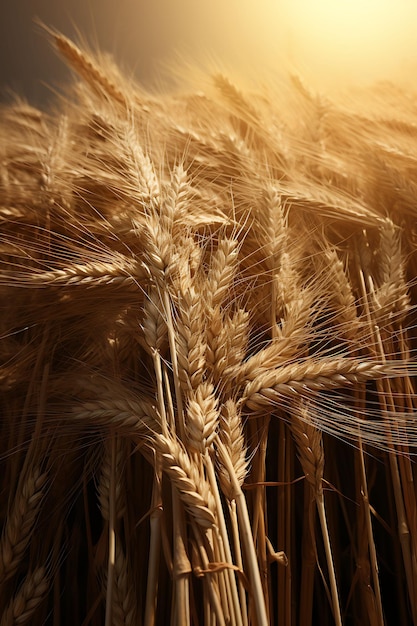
362, 38
333, 41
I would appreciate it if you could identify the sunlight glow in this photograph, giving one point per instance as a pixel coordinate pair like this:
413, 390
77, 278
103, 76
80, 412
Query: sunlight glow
350, 38
332, 42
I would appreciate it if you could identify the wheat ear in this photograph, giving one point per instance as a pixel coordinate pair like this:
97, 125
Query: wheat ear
108, 473
30, 595
88, 69
20, 521
314, 375
232, 437
124, 597
185, 476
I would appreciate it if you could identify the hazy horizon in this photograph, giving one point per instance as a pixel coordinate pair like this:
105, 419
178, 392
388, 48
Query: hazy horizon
331, 42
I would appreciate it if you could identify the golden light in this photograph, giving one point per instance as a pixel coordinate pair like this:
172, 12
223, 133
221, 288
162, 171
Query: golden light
353, 37
332, 42
342, 23
348, 40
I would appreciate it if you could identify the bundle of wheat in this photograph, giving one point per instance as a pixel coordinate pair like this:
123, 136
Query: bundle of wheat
207, 340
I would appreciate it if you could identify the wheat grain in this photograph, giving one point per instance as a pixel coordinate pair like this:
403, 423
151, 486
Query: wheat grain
88, 69
123, 605
202, 418
130, 416
391, 297
153, 325
30, 595
190, 340
227, 342
103, 486
221, 271
313, 376
191, 486
232, 437
122, 276
20, 522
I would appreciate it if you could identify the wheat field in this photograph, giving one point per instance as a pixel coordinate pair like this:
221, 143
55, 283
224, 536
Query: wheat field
207, 354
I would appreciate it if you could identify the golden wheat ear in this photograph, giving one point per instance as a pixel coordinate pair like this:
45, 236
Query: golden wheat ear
85, 65
207, 355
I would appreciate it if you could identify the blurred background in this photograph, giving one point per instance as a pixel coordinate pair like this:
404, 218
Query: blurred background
330, 42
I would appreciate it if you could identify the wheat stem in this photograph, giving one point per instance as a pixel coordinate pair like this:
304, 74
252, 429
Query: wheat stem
154, 549
181, 563
111, 534
329, 556
368, 518
224, 541
216, 610
238, 556
174, 361
246, 537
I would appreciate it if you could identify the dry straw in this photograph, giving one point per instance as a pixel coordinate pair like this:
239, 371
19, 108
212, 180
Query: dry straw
208, 355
